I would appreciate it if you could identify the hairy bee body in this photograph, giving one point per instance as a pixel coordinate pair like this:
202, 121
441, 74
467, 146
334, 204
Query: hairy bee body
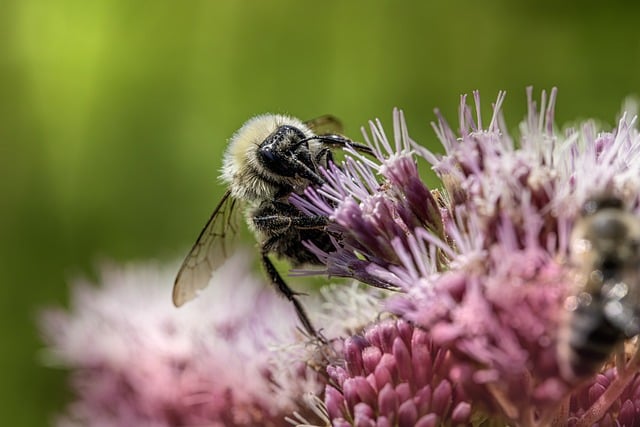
264, 164
262, 160
267, 160
605, 309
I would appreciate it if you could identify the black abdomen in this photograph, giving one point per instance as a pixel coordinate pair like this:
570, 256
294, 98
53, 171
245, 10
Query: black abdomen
590, 339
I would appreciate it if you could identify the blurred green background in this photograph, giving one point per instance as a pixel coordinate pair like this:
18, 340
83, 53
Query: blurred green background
114, 115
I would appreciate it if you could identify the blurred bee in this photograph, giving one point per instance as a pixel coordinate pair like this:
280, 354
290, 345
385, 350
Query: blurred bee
605, 247
269, 158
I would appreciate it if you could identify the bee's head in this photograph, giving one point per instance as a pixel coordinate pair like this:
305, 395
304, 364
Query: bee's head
285, 153
270, 156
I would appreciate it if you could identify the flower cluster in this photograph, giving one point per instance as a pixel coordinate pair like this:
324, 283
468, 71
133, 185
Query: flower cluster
608, 399
137, 361
465, 314
393, 375
483, 265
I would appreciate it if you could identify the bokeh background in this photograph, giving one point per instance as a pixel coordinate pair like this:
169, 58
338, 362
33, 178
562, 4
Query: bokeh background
114, 115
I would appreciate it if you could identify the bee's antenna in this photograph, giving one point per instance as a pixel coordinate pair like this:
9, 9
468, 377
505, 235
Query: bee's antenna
339, 140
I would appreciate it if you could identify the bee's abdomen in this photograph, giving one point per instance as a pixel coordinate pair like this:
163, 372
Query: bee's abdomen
589, 340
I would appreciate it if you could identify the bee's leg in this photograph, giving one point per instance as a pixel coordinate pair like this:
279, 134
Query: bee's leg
277, 218
324, 157
285, 290
310, 222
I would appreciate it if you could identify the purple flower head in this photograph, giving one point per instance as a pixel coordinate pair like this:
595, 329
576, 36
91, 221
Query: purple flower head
376, 220
394, 375
484, 265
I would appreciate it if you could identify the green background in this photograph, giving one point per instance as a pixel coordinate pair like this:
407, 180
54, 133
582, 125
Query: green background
114, 114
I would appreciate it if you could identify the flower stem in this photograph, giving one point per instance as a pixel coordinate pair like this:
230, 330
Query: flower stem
613, 392
561, 415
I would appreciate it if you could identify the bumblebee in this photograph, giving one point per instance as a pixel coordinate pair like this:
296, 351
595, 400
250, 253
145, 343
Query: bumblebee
268, 159
605, 310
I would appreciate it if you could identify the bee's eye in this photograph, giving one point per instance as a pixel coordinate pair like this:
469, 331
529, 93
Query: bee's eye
274, 160
267, 155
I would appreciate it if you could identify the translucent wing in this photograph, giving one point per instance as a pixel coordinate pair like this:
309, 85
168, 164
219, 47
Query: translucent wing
210, 250
325, 125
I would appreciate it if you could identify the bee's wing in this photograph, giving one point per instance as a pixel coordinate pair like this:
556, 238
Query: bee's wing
325, 125
622, 304
210, 250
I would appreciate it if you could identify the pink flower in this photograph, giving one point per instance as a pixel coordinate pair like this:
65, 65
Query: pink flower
224, 359
483, 265
394, 375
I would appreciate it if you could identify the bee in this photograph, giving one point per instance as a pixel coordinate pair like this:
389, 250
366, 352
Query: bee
605, 248
268, 159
